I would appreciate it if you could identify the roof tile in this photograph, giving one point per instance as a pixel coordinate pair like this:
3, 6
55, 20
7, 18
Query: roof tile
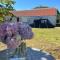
36, 12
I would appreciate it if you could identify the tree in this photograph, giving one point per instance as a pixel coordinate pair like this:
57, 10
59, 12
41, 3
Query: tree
58, 16
41, 7
7, 6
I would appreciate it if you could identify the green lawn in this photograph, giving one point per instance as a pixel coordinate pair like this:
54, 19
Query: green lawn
46, 39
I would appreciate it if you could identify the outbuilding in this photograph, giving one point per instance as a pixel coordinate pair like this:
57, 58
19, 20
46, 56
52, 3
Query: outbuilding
42, 17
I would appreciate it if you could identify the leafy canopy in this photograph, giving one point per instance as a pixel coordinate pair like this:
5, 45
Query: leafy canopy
5, 7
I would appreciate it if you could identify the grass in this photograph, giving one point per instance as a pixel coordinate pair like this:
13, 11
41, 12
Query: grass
46, 39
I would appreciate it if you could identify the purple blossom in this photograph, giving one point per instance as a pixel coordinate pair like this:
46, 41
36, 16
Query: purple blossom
9, 32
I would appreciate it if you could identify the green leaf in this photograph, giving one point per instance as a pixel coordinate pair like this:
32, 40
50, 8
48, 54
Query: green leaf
8, 6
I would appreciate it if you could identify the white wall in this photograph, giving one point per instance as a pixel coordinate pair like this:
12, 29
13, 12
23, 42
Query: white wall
30, 19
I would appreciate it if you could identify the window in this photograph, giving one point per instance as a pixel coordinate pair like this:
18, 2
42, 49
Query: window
43, 21
17, 19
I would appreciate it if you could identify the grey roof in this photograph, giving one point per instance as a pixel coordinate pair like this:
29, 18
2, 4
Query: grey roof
31, 54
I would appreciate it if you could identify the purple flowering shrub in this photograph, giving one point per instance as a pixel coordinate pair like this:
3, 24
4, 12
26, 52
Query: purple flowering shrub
12, 34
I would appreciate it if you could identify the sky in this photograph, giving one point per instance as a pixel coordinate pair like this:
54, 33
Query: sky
30, 4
